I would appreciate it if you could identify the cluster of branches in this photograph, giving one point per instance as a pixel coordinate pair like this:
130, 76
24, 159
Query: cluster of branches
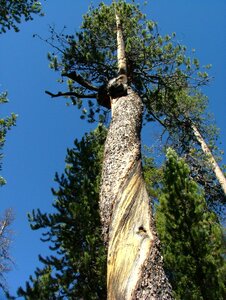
159, 70
167, 81
13, 12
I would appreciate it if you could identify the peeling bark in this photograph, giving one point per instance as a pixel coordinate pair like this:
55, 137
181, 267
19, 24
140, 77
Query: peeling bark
135, 269
215, 167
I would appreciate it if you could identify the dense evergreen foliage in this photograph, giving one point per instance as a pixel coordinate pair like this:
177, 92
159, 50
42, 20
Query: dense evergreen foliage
191, 236
159, 70
13, 12
77, 267
157, 65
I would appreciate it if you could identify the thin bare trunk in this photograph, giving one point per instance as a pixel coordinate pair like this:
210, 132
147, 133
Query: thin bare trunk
215, 167
134, 265
122, 68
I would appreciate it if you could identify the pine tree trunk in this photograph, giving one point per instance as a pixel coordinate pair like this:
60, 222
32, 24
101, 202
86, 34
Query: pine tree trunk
134, 268
134, 264
215, 167
122, 67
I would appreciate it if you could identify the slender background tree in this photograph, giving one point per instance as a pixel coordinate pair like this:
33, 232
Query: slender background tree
6, 261
158, 70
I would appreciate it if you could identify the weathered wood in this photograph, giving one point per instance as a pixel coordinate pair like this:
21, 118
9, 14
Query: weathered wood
122, 67
134, 263
135, 268
215, 167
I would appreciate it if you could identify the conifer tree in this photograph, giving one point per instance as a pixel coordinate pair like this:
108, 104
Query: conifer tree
77, 267
194, 134
57, 274
191, 236
125, 70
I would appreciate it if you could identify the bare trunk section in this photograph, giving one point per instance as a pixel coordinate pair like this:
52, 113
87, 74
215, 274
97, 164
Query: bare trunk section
134, 263
120, 47
135, 268
215, 167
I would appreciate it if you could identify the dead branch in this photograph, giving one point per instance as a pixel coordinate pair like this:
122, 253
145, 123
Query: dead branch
79, 79
71, 94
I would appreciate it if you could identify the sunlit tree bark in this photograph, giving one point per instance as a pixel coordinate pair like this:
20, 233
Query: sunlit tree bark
134, 265
155, 69
213, 163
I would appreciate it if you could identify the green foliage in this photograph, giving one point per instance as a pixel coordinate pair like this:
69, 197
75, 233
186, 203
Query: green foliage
157, 65
152, 174
166, 79
77, 267
191, 236
190, 109
12, 12
159, 69
5, 125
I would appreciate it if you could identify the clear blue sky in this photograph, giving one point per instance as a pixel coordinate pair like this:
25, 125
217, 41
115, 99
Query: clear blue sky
36, 147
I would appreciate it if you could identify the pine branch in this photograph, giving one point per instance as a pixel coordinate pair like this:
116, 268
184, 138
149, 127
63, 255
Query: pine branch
80, 80
71, 94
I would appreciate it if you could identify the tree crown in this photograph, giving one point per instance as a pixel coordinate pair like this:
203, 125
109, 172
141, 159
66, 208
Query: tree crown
157, 65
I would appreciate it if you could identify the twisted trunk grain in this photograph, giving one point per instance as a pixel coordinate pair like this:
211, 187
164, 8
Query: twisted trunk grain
134, 268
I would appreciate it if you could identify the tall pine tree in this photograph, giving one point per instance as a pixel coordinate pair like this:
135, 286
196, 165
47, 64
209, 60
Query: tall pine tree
191, 236
77, 267
126, 69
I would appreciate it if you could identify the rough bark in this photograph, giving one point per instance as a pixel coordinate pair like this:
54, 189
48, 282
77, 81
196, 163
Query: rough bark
134, 263
215, 167
134, 268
